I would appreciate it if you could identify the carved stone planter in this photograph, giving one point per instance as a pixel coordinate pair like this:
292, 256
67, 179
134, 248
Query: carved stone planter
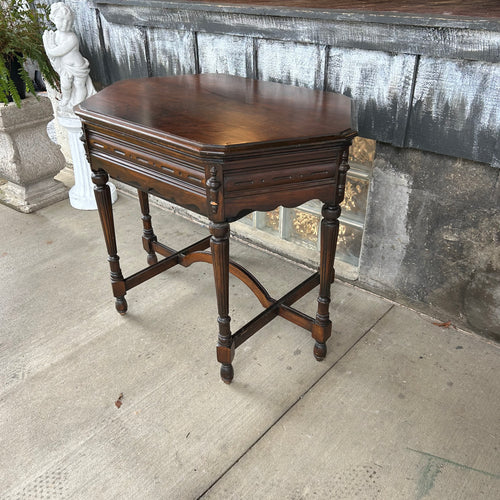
29, 160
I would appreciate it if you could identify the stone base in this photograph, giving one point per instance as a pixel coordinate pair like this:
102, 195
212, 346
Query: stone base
28, 158
30, 198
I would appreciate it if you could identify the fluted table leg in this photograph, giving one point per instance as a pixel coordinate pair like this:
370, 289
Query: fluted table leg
219, 245
105, 208
322, 328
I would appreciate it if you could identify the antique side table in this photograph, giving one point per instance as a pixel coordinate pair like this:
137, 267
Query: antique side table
222, 146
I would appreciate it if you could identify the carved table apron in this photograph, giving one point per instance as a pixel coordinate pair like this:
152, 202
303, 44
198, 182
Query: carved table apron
222, 146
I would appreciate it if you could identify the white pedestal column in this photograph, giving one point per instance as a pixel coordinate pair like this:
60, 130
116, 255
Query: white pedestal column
81, 195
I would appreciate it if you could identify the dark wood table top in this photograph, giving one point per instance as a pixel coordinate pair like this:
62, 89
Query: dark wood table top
221, 112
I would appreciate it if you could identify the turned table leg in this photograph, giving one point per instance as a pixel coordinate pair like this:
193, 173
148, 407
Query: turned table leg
104, 206
219, 244
322, 328
148, 235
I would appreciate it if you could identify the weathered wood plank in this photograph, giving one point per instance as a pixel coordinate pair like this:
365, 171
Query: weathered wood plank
380, 83
336, 11
472, 8
292, 63
373, 58
228, 54
411, 34
456, 108
171, 52
125, 53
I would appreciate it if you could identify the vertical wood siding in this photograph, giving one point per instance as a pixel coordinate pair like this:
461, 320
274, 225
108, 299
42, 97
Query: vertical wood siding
291, 63
380, 84
430, 87
455, 108
171, 52
229, 54
124, 50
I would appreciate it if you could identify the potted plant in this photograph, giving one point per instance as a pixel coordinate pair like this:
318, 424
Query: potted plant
21, 27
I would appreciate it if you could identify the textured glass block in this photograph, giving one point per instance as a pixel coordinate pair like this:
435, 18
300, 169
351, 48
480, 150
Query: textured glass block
349, 244
272, 221
313, 206
304, 227
362, 151
355, 198
248, 219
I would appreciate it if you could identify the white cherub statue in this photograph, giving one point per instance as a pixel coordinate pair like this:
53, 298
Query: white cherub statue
62, 48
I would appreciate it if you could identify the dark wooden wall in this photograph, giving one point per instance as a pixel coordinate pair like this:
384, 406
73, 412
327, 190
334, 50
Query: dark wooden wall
430, 83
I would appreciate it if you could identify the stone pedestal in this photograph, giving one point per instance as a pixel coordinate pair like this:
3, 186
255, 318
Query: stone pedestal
81, 195
29, 160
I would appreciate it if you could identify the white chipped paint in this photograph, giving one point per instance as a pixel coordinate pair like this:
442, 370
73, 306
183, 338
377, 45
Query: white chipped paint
226, 54
295, 63
125, 43
171, 52
456, 92
405, 34
371, 75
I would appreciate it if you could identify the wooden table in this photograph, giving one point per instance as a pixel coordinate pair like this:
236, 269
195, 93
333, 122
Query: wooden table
222, 146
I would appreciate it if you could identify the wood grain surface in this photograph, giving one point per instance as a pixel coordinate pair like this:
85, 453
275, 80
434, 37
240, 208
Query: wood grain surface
208, 109
487, 8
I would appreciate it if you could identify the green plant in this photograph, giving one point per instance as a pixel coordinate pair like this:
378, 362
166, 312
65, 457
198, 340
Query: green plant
21, 27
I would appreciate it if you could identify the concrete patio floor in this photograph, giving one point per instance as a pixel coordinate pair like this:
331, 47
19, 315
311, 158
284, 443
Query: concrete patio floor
399, 409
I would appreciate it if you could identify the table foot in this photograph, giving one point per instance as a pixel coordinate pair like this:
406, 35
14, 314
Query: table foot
121, 305
226, 373
152, 259
319, 351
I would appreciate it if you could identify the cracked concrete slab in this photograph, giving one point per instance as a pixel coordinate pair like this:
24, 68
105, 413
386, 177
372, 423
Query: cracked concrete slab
66, 356
412, 411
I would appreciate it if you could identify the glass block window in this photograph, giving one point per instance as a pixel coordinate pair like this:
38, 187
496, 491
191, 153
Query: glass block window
301, 225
